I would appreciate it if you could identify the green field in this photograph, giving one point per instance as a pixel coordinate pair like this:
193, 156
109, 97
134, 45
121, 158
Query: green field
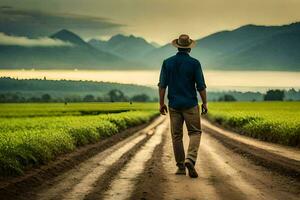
76, 109
33, 134
277, 122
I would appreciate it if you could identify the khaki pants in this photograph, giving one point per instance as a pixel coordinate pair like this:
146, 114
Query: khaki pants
191, 117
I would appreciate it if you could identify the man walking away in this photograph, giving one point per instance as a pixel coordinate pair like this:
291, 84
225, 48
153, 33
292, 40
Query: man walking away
183, 77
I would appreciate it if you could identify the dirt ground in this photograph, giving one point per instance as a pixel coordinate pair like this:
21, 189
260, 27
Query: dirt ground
142, 166
224, 174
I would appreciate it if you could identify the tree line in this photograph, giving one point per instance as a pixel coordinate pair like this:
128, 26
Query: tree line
270, 95
112, 96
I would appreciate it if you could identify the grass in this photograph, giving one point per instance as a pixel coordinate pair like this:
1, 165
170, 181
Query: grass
27, 140
33, 134
277, 122
74, 109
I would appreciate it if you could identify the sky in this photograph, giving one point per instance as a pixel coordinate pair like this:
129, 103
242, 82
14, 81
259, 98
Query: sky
157, 21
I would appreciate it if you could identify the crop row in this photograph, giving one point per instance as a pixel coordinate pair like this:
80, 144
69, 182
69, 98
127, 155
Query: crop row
25, 142
13, 110
273, 122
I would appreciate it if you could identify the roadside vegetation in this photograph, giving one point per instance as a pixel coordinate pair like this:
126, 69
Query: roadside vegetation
27, 141
277, 122
13, 110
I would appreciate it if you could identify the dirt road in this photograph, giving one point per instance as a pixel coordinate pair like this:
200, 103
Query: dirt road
142, 167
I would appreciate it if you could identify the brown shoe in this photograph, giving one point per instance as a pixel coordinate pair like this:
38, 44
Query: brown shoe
190, 166
180, 171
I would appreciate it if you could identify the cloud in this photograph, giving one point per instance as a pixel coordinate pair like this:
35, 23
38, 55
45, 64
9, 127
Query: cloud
34, 23
24, 41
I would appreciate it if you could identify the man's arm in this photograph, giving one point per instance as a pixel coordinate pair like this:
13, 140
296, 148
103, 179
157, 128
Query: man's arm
203, 96
201, 87
204, 108
163, 83
163, 108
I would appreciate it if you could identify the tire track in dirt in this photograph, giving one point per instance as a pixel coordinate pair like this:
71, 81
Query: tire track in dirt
228, 180
86, 184
80, 181
125, 182
142, 166
183, 187
51, 174
224, 174
149, 182
243, 177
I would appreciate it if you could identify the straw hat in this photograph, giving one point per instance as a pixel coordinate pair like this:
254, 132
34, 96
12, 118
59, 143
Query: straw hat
184, 42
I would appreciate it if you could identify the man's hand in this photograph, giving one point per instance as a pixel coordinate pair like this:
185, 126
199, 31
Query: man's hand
204, 109
163, 109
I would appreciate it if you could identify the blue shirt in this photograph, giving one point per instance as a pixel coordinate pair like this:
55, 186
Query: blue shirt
183, 75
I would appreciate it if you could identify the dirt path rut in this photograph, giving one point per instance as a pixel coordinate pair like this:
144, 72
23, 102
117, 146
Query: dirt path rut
142, 166
111, 170
223, 174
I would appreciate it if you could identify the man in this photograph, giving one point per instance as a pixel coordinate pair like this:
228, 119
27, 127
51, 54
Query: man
183, 75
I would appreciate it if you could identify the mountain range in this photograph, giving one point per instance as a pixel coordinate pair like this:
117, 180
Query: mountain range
249, 47
126, 47
79, 55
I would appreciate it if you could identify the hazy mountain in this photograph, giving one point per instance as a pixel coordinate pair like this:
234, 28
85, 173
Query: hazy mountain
249, 47
127, 47
276, 52
156, 45
66, 35
79, 55
156, 56
253, 47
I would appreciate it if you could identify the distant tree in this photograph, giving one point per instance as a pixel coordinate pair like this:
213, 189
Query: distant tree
89, 98
46, 98
73, 98
227, 97
34, 99
292, 94
2, 98
274, 95
292, 90
116, 96
99, 99
11, 98
140, 98
15, 98
22, 99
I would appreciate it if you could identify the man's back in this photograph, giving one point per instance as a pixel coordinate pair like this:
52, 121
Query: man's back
182, 74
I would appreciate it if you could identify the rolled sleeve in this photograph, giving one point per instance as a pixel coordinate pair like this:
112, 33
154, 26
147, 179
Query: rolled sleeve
163, 78
199, 78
